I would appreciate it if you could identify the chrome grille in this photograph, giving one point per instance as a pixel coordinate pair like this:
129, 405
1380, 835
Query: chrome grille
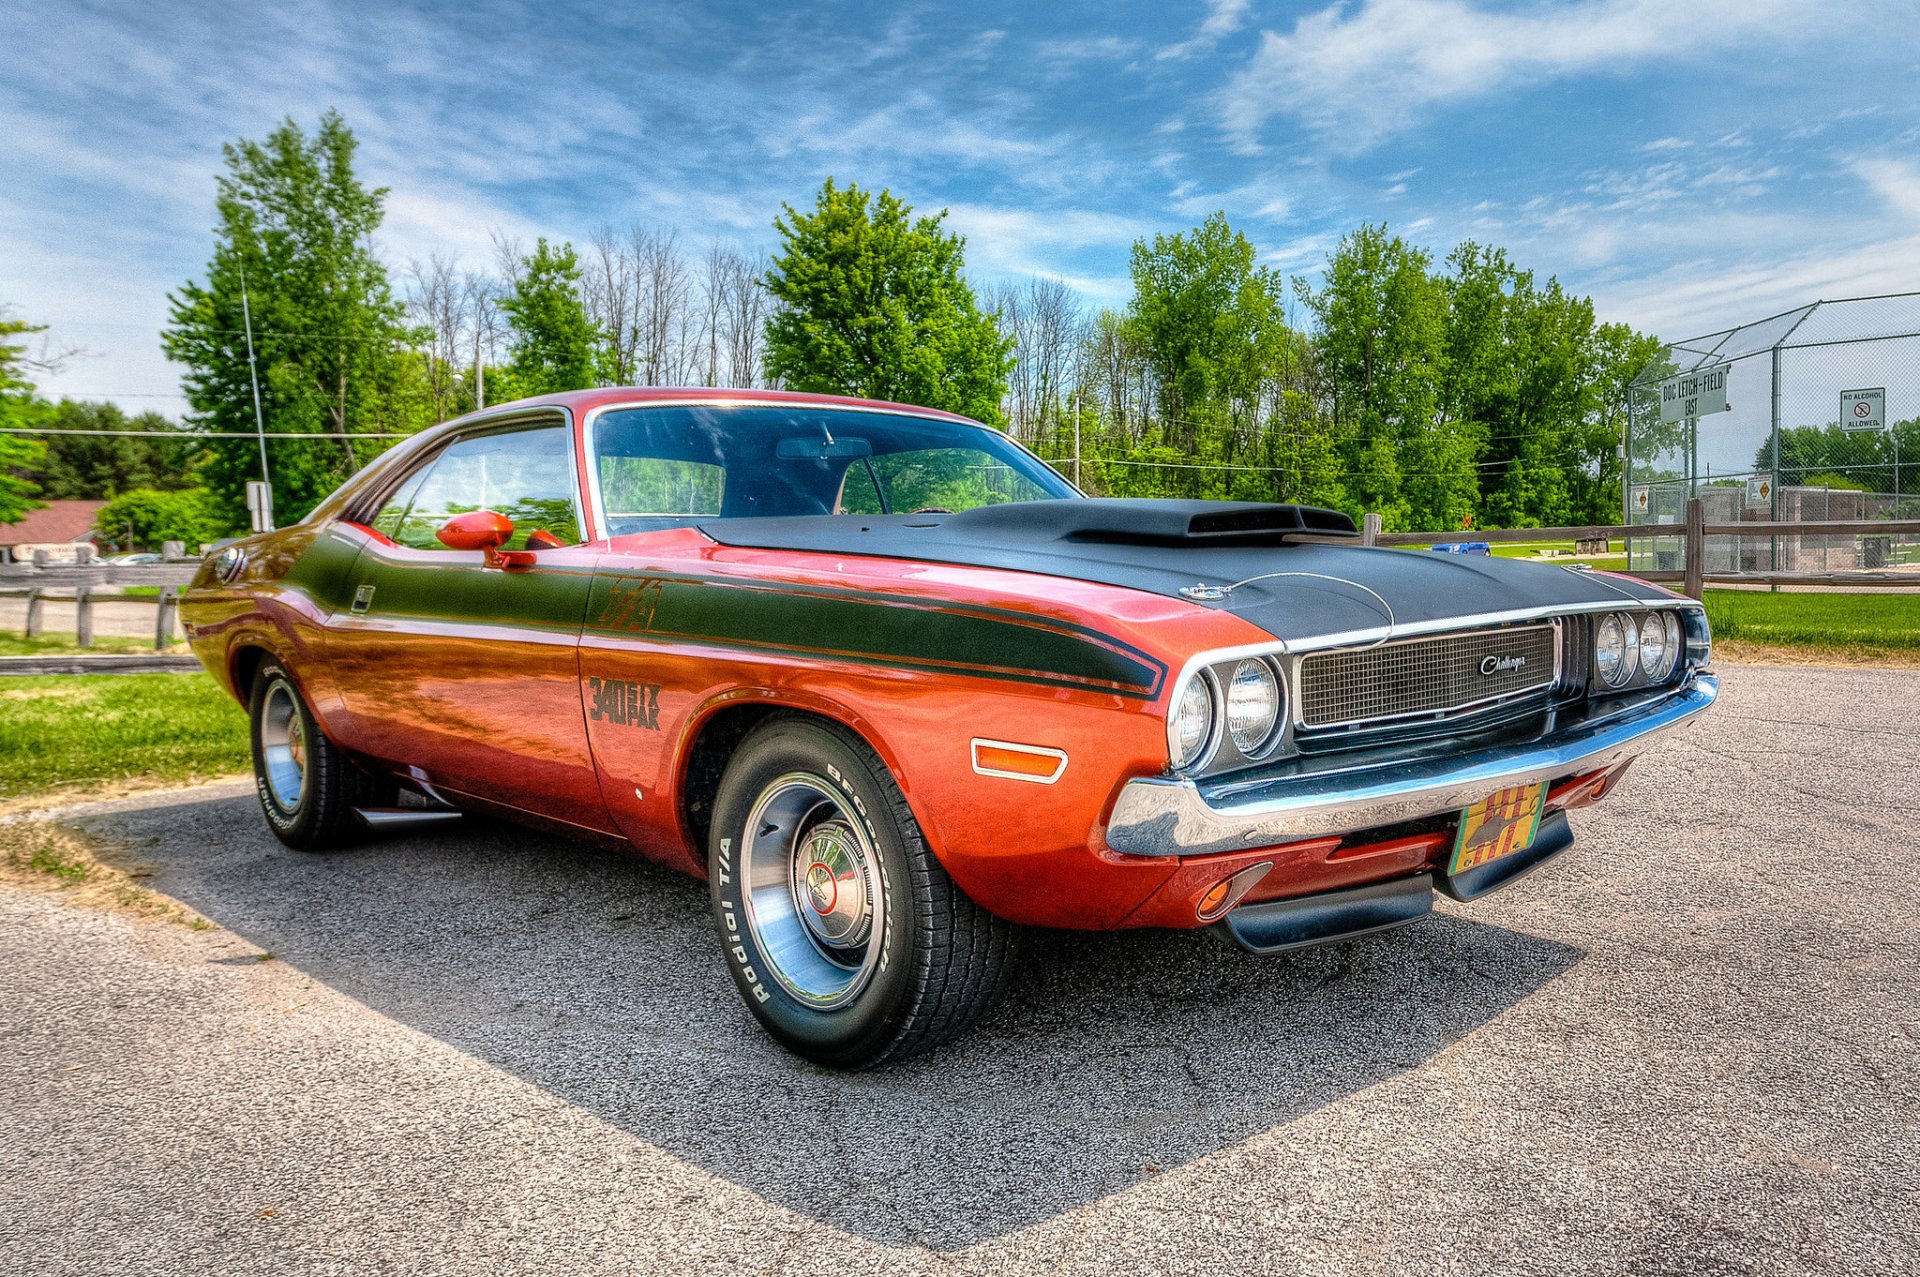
1425, 676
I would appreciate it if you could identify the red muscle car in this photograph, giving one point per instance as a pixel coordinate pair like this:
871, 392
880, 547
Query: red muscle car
895, 689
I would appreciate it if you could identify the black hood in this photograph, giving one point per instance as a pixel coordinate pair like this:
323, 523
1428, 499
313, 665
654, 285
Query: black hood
1163, 547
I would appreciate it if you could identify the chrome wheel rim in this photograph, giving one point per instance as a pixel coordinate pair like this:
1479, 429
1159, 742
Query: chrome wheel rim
812, 891
283, 747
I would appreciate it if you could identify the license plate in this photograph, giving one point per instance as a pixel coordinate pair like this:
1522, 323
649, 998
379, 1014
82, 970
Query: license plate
1498, 825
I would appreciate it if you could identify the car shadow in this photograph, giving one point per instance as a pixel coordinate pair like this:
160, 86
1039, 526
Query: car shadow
594, 976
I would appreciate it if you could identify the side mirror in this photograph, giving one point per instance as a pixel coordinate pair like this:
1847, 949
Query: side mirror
486, 531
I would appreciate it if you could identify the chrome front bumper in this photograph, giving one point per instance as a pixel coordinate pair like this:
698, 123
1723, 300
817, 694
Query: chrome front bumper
1165, 816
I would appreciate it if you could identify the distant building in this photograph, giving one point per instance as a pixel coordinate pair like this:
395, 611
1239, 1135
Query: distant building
57, 529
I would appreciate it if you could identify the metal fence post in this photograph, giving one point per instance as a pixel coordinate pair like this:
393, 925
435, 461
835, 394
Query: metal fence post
1696, 547
1773, 511
83, 616
1626, 466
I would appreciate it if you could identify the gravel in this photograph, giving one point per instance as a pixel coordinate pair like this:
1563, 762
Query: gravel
1687, 1046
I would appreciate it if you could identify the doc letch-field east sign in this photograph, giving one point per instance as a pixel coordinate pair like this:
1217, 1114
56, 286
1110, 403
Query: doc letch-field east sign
1694, 394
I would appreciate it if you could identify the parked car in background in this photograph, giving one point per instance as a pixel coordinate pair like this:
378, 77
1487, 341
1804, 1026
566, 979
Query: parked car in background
896, 690
135, 560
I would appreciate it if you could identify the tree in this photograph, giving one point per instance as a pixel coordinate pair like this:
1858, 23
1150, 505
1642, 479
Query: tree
88, 467
555, 345
146, 518
1206, 317
1832, 456
876, 306
18, 407
1381, 337
328, 334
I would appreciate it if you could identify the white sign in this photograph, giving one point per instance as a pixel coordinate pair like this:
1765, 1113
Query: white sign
1640, 497
1694, 394
1864, 409
260, 505
1760, 493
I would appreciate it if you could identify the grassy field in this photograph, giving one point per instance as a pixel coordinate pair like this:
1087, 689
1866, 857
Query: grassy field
1885, 622
1528, 549
72, 733
13, 644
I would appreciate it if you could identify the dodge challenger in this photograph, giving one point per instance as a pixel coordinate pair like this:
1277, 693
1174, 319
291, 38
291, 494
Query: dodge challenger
896, 690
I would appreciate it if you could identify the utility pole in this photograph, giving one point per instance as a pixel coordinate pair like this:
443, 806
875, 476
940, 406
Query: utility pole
1074, 408
253, 373
479, 375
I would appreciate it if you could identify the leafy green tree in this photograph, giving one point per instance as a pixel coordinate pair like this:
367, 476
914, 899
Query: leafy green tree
874, 304
328, 335
145, 519
1832, 456
555, 345
1381, 342
19, 456
1208, 318
88, 467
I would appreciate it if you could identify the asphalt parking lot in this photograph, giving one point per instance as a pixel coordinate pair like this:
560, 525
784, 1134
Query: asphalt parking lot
1689, 1046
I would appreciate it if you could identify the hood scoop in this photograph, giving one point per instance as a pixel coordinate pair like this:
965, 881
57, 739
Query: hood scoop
1152, 522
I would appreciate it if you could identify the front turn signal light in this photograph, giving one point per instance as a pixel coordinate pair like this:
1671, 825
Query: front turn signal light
1228, 892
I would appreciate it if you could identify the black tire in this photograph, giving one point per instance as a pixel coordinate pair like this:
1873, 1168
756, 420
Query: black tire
932, 963
313, 809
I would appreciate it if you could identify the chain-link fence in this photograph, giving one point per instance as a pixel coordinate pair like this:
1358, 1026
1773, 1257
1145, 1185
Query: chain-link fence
1808, 416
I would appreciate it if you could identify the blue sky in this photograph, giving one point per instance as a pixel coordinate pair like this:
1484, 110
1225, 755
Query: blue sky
1689, 164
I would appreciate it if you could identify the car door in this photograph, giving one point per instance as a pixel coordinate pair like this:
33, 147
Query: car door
459, 671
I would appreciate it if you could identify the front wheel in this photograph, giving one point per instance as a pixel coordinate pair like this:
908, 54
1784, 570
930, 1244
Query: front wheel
308, 788
847, 938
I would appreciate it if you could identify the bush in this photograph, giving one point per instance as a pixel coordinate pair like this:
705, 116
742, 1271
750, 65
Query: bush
147, 518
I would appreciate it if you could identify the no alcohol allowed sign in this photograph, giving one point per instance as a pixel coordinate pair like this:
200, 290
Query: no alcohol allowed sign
1864, 409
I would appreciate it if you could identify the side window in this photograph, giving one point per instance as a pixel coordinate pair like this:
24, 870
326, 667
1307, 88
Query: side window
523, 474
387, 522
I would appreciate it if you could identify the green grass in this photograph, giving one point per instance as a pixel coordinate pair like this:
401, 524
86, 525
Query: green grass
1884, 621
1528, 549
13, 644
83, 731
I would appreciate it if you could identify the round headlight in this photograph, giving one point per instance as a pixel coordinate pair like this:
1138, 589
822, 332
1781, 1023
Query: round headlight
1253, 706
1659, 644
1614, 646
1192, 721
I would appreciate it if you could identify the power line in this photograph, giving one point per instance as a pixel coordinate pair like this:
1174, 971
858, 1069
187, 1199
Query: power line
201, 434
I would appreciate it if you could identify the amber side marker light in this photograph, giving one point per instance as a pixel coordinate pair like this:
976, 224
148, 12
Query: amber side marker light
1040, 764
1228, 892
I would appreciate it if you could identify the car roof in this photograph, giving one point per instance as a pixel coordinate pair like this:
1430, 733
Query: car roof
581, 402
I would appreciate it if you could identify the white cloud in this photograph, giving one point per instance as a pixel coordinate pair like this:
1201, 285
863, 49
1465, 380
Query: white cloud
1020, 242
1361, 73
1265, 198
1689, 297
1224, 17
1895, 181
1103, 48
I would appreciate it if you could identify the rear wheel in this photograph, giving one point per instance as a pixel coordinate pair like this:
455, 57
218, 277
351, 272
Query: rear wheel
847, 938
308, 788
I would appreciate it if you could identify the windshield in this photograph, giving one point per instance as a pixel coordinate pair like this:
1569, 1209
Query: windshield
675, 465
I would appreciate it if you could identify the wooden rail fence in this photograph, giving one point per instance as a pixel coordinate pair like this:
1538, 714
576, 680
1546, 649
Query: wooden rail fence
87, 584
1692, 535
